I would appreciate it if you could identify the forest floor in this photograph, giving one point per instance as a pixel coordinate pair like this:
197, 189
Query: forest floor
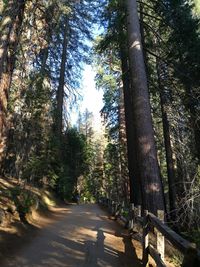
71, 235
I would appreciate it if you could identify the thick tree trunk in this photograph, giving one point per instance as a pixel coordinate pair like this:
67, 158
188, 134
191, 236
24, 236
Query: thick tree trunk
152, 192
135, 188
161, 70
123, 149
60, 91
10, 28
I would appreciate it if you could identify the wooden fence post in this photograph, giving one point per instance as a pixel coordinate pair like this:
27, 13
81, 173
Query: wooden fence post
139, 211
117, 212
122, 209
160, 239
115, 208
145, 239
131, 220
112, 207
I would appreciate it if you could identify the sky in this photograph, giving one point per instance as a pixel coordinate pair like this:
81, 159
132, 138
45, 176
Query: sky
92, 98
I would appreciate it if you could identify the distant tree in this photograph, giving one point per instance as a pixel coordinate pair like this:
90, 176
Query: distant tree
74, 162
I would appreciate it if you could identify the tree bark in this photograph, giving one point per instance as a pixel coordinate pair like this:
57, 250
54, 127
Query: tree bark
167, 139
123, 148
10, 28
60, 91
135, 188
152, 193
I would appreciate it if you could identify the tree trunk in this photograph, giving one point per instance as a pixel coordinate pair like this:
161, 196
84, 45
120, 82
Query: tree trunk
60, 91
161, 70
123, 148
135, 188
10, 28
152, 193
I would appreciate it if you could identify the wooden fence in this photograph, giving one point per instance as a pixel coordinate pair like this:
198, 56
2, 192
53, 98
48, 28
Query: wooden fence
149, 222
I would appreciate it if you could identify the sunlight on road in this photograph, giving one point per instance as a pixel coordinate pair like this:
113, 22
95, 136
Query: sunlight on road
81, 236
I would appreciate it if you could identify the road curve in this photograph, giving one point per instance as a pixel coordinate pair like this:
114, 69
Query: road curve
82, 237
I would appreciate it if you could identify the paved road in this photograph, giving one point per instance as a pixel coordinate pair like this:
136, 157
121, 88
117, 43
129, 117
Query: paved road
82, 236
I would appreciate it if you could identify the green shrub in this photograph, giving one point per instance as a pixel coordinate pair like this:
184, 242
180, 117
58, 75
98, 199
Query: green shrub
23, 200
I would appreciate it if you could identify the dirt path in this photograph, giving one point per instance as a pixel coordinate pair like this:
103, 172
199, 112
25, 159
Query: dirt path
82, 236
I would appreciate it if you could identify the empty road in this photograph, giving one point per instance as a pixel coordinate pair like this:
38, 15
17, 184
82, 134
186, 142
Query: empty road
80, 236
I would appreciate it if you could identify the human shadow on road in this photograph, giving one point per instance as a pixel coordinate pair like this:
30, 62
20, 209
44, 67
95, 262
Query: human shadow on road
129, 257
99, 255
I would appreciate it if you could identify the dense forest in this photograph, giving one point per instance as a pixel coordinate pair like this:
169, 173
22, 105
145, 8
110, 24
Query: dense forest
146, 55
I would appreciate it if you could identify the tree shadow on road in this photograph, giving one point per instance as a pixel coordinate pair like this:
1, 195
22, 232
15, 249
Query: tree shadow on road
14, 239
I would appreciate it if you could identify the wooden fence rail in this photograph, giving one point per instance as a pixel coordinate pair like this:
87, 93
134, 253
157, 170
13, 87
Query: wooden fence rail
148, 222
